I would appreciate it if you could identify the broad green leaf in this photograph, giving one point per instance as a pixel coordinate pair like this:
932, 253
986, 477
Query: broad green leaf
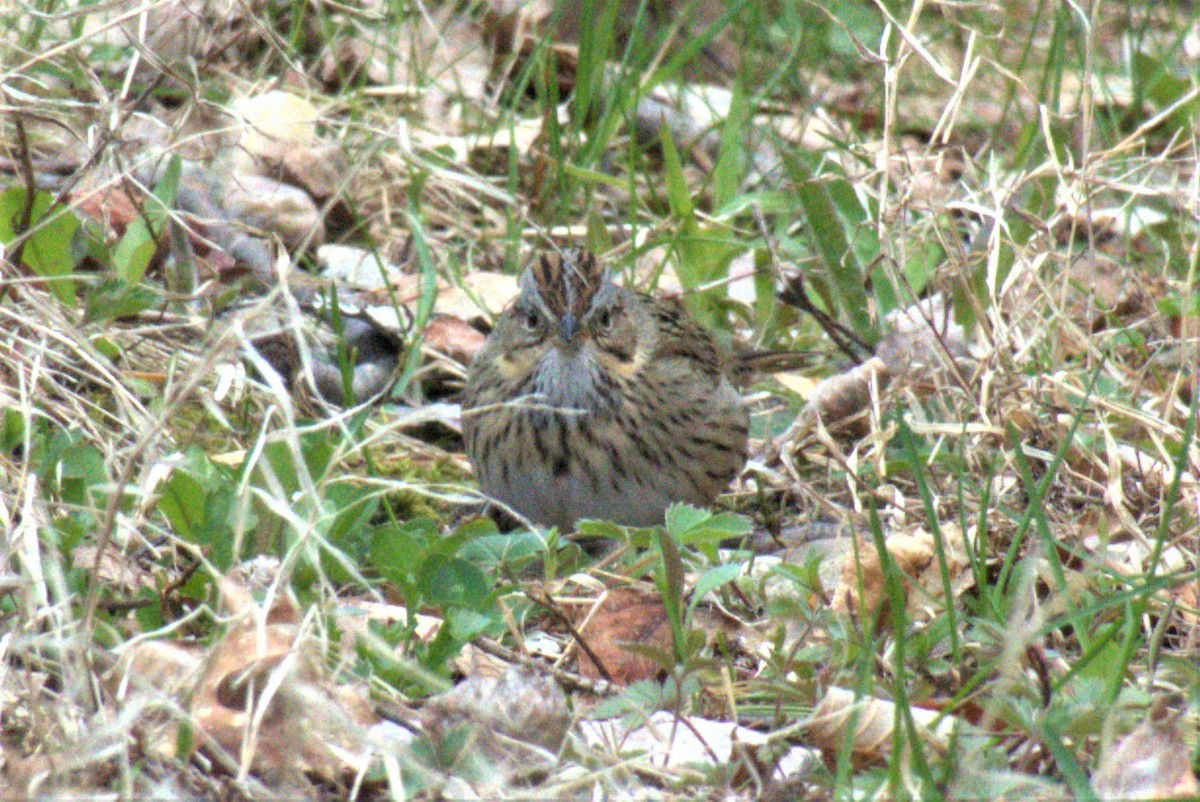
640, 699
716, 529
516, 549
467, 624
199, 500
137, 247
599, 529
118, 299
712, 579
134, 251
453, 582
397, 550
681, 518
49, 250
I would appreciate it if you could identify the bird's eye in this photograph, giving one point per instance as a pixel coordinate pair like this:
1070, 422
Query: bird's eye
531, 320
604, 319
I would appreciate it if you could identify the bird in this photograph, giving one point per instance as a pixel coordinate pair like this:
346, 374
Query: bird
592, 401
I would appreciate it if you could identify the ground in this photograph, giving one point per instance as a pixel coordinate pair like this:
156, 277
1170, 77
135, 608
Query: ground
249, 250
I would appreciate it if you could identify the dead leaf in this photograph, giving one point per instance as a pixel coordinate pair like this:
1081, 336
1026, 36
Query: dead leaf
869, 723
666, 739
265, 699
923, 340
1151, 762
273, 122
625, 616
348, 61
165, 666
494, 291
862, 591
522, 704
455, 338
840, 403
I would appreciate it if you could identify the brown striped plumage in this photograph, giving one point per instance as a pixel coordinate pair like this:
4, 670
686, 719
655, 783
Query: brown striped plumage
592, 401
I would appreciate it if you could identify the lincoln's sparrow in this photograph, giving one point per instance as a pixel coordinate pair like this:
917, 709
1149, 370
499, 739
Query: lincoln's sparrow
592, 401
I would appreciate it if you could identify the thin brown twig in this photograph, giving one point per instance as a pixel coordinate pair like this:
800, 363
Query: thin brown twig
26, 167
545, 602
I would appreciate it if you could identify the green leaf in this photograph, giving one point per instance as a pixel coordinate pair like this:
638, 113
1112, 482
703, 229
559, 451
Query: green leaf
599, 529
137, 247
640, 699
80, 468
692, 526
149, 617
669, 581
725, 525
453, 582
599, 240
466, 624
1164, 86
730, 168
595, 46
516, 549
316, 449
353, 507
425, 303
12, 429
166, 190
694, 45
398, 550
768, 201
844, 280
678, 196
682, 518
199, 500
712, 579
134, 251
49, 250
117, 299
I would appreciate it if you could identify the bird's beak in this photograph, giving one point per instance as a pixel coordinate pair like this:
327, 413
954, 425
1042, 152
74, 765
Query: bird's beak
568, 327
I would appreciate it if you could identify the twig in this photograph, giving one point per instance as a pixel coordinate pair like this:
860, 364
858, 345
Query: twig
26, 167
548, 604
849, 343
569, 680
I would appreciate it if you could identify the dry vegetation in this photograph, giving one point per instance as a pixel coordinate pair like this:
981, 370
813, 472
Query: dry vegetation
248, 248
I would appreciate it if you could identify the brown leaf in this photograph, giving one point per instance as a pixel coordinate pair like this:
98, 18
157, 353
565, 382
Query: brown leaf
493, 290
264, 696
159, 664
270, 205
109, 205
625, 616
522, 704
1152, 762
347, 61
273, 122
870, 723
862, 591
841, 402
453, 337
